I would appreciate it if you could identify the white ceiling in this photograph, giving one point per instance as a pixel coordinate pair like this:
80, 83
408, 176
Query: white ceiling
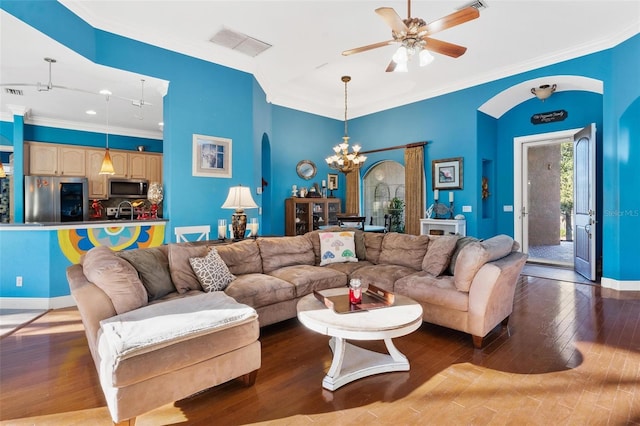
303, 68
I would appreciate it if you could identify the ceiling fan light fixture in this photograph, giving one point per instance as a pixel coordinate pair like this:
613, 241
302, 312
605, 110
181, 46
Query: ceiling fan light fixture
425, 57
401, 67
401, 56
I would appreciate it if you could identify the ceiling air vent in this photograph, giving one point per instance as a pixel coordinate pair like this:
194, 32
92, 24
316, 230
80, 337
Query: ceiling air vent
239, 42
10, 91
478, 4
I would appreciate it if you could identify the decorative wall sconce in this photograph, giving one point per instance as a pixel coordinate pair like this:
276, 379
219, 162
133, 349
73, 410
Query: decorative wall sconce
544, 91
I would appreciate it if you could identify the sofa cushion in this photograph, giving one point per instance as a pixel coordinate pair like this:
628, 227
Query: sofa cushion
116, 277
349, 267
403, 249
242, 257
498, 246
438, 254
373, 245
152, 265
358, 238
337, 247
211, 271
470, 260
382, 276
459, 246
174, 334
307, 278
258, 290
441, 291
476, 254
277, 252
182, 275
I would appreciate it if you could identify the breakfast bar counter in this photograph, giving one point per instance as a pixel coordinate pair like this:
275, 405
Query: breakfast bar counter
34, 256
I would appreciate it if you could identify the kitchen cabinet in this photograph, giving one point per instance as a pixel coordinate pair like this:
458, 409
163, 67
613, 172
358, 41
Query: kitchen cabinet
303, 215
45, 159
434, 227
154, 167
55, 160
97, 182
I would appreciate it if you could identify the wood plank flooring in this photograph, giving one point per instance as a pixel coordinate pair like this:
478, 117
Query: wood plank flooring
570, 356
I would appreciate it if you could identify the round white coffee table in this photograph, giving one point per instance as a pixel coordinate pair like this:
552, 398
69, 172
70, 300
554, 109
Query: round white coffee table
351, 362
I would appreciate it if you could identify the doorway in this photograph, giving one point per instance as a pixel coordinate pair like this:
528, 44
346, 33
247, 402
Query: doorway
549, 196
554, 196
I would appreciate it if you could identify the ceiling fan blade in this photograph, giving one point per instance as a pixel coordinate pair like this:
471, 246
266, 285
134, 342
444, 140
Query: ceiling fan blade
367, 47
444, 47
392, 66
456, 18
392, 19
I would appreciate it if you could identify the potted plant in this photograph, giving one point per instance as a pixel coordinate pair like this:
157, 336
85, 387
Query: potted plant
396, 215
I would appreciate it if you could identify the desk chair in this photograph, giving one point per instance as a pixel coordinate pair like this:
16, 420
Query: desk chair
202, 232
359, 221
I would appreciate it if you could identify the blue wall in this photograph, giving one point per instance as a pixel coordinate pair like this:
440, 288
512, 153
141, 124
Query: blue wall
209, 99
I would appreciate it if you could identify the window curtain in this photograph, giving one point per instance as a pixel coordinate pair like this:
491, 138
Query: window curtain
353, 192
414, 189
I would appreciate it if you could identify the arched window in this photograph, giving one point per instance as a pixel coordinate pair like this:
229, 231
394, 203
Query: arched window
382, 182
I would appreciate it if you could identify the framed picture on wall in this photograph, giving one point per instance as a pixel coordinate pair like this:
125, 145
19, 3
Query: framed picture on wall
211, 156
332, 182
447, 173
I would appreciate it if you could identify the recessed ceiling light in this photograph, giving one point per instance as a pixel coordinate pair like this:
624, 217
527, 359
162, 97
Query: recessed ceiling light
105, 92
90, 112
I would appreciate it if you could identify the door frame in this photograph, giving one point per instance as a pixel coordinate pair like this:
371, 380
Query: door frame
519, 144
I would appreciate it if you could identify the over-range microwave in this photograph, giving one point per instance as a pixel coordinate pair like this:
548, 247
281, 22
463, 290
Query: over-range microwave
128, 188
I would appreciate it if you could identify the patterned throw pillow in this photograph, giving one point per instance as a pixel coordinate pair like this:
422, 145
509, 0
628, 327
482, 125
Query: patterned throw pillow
337, 247
211, 271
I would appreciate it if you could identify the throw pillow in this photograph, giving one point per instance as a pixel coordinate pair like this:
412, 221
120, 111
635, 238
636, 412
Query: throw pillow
152, 265
462, 242
182, 275
438, 254
116, 277
337, 247
211, 271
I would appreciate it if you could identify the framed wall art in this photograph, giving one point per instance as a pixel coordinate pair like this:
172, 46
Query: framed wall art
447, 173
332, 181
211, 156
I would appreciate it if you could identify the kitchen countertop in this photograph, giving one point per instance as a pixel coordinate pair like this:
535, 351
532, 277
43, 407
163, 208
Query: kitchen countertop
98, 223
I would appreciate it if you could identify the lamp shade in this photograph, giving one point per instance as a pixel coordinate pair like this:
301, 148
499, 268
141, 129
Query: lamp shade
239, 198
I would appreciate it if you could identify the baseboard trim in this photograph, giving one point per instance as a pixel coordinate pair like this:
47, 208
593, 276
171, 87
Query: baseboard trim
620, 285
37, 302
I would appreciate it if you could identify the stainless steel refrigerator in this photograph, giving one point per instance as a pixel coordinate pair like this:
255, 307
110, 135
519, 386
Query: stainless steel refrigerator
56, 199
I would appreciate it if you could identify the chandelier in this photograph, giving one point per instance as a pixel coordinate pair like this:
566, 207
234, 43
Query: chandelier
342, 159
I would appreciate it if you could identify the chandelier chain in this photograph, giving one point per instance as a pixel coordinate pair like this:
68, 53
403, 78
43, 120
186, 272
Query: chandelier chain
345, 106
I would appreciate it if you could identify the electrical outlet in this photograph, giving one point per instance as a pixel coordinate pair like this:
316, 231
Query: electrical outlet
259, 190
507, 208
466, 209
18, 281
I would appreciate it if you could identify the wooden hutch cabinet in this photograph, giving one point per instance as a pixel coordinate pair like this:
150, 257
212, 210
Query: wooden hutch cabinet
303, 215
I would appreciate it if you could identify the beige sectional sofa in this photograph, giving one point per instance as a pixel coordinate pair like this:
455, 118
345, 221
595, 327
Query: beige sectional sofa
129, 301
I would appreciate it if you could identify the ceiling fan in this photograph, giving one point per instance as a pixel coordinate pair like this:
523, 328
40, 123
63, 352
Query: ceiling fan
414, 36
50, 86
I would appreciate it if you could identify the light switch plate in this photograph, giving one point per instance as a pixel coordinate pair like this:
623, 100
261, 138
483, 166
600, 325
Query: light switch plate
466, 209
507, 208
259, 190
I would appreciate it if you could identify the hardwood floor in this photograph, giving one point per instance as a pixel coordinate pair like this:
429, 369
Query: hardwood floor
571, 355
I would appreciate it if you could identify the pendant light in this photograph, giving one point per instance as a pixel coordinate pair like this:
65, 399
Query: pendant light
107, 165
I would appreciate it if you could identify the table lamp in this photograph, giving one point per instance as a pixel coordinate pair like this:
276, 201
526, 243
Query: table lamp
239, 198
